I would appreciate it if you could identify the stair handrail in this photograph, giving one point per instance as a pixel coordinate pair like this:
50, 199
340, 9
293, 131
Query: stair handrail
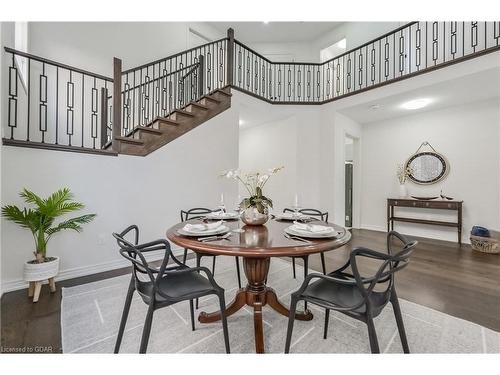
172, 56
192, 66
58, 64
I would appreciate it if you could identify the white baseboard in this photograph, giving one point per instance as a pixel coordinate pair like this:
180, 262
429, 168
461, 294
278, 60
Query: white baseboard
9, 286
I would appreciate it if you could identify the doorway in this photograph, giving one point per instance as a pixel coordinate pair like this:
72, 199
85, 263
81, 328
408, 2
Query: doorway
349, 178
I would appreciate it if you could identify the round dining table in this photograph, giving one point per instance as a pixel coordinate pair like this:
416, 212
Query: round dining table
257, 245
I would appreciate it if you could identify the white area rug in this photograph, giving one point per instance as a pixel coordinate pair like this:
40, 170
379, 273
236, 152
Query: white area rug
91, 314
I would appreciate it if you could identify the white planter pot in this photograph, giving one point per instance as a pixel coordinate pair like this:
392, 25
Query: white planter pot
41, 271
403, 191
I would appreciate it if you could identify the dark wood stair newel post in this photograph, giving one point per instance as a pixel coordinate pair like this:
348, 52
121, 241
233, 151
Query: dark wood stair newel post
230, 57
117, 103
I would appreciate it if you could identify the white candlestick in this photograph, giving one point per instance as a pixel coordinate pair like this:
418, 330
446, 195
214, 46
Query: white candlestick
296, 204
222, 198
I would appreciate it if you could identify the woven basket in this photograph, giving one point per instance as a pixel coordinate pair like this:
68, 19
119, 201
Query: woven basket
490, 245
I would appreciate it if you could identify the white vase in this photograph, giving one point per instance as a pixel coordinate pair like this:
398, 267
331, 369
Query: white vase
41, 271
403, 191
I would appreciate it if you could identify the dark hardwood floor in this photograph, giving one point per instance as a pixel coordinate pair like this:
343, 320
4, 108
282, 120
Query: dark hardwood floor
441, 275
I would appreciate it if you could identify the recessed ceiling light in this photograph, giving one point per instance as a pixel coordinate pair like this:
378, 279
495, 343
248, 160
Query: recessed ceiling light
375, 107
416, 103
266, 22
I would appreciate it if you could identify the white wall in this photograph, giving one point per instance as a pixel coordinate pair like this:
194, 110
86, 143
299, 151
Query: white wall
286, 52
283, 135
356, 34
92, 45
122, 190
309, 142
467, 135
271, 145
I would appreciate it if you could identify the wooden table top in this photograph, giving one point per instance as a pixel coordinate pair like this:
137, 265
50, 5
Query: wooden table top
263, 241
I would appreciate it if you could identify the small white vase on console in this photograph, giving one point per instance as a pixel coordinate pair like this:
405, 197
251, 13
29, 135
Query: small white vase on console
403, 191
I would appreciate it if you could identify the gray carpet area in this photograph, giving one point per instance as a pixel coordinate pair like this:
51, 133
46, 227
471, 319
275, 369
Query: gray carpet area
91, 314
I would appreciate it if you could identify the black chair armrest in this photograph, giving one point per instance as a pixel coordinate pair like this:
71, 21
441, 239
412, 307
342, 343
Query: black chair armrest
205, 270
133, 227
358, 251
331, 279
399, 236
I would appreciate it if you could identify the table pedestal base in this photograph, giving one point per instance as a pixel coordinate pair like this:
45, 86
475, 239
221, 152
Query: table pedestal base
256, 294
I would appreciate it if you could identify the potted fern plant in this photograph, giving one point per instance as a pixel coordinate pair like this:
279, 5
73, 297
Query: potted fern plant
40, 221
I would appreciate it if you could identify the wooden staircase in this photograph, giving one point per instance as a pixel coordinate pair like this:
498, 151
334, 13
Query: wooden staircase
143, 140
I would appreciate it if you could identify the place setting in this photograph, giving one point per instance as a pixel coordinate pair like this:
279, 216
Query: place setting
303, 231
222, 213
213, 231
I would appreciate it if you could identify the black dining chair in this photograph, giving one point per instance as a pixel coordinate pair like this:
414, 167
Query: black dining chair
315, 214
163, 286
197, 213
362, 298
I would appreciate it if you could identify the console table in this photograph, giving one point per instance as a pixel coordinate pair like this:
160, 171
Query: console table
428, 204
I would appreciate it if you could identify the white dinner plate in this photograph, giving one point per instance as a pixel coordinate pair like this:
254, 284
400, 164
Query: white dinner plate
306, 234
223, 216
220, 230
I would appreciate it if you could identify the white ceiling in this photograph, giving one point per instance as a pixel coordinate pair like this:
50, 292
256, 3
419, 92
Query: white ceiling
471, 88
276, 32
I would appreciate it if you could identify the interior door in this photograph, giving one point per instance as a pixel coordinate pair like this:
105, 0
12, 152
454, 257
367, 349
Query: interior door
348, 195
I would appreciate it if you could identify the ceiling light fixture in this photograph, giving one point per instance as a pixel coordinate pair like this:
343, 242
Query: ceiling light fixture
416, 103
241, 122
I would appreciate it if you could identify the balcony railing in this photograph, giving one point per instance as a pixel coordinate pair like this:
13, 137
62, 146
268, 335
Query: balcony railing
67, 108
56, 105
405, 52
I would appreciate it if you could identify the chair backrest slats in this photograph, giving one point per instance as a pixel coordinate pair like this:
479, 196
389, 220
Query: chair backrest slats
392, 263
312, 212
194, 213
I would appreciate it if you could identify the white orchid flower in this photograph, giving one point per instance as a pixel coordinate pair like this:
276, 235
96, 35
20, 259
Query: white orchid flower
263, 178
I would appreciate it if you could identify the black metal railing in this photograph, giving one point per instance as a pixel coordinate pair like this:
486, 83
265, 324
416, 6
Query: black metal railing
157, 89
62, 106
56, 104
412, 49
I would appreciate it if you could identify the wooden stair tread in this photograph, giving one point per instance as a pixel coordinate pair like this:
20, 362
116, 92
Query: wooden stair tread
220, 91
168, 120
184, 113
208, 97
150, 137
199, 105
130, 140
149, 130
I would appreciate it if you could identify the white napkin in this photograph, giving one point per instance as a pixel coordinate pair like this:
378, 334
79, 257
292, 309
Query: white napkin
312, 228
202, 227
